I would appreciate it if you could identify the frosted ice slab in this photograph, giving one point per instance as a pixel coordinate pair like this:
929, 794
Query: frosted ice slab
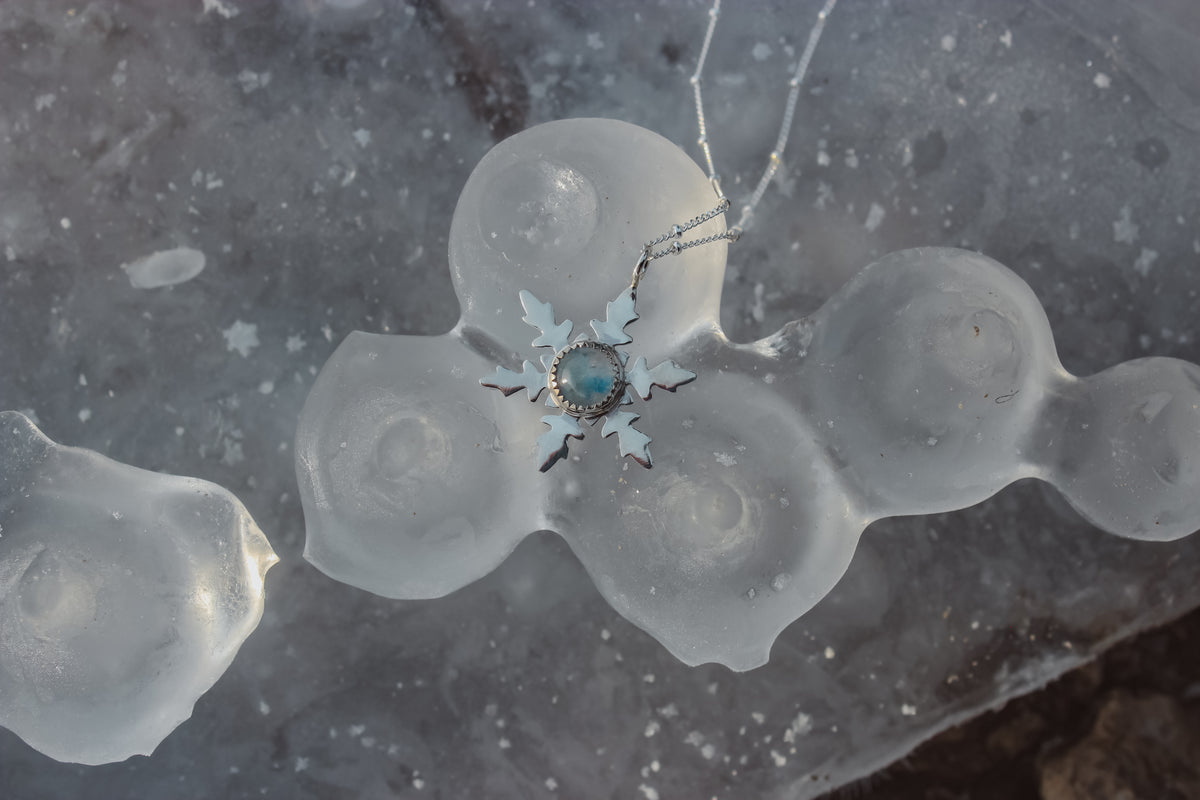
927, 383
124, 595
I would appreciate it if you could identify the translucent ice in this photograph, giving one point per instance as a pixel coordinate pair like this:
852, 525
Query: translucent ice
927, 383
124, 595
165, 268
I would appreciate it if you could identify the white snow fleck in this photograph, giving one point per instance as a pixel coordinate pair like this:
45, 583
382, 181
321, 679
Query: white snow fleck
907, 710
649, 792
222, 8
85, 414
43, 101
780, 581
266, 387
82, 379
725, 459
362, 136
823, 158
851, 159
757, 310
65, 222
504, 743
949, 43
829, 653
356, 730
1125, 229
875, 217
1102, 81
418, 784
252, 81
551, 784
708, 751
294, 344
11, 254
761, 52
594, 41
301, 764
241, 337
1006, 38
669, 711
758, 717
779, 759
165, 268
263, 708
652, 727
327, 332
1145, 261
802, 725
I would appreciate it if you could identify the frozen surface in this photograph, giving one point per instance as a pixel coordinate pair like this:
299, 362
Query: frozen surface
314, 153
124, 595
927, 383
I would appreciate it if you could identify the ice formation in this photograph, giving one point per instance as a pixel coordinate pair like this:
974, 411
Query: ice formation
165, 268
927, 383
124, 595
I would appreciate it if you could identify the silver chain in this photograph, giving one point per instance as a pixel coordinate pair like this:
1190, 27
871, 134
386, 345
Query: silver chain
774, 158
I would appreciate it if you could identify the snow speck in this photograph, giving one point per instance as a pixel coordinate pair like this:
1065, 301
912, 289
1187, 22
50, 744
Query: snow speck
266, 387
363, 137
418, 784
761, 52
779, 759
604, 634
652, 727
823, 159
594, 41
949, 43
1102, 81
757, 309
251, 81
241, 337
802, 725
301, 764
263, 708
851, 159
551, 784
1006, 38
504, 743
725, 459
85, 414
780, 581
1125, 230
1145, 261
43, 102
758, 717
65, 223
294, 344
829, 653
649, 792
908, 711
875, 217
164, 268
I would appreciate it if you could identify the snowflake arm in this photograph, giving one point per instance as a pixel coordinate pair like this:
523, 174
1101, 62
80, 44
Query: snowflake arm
552, 445
541, 316
667, 375
508, 381
633, 443
618, 313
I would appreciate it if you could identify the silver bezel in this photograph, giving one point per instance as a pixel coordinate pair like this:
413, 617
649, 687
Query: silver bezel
609, 402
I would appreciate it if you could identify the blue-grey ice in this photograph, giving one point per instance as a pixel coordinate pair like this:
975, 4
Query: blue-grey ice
124, 595
927, 383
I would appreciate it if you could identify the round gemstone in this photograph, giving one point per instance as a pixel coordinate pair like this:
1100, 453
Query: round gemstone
586, 378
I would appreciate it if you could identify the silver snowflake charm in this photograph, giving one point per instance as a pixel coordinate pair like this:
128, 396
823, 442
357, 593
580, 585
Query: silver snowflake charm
587, 379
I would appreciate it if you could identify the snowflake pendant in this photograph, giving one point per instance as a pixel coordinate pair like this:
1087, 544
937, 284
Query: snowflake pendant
587, 379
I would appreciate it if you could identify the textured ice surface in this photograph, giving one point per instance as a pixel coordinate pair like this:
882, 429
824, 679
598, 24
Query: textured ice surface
238, 131
927, 383
124, 595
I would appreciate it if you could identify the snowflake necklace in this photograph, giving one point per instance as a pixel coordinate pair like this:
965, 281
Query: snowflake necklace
589, 378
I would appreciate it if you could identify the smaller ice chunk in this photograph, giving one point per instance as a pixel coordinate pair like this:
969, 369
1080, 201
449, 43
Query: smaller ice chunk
165, 268
124, 595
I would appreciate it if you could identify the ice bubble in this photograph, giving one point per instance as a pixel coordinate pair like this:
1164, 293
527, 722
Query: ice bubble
927, 383
124, 595
165, 268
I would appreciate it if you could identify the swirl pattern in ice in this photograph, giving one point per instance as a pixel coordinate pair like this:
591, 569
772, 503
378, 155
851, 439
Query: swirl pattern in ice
124, 595
927, 383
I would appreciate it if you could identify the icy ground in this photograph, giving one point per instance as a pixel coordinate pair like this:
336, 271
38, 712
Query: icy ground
313, 152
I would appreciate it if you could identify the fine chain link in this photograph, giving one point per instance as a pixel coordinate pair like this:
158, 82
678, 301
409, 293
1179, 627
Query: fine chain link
774, 159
